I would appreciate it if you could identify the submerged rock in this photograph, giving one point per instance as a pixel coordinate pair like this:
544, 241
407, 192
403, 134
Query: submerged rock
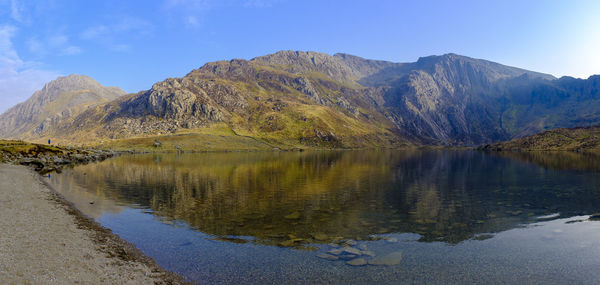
293, 216
351, 250
346, 256
327, 256
368, 253
391, 239
320, 236
336, 251
357, 262
390, 259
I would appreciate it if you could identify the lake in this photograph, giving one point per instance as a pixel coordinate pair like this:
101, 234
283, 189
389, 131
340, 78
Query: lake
358, 217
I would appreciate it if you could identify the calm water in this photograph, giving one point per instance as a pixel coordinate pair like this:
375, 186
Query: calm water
416, 216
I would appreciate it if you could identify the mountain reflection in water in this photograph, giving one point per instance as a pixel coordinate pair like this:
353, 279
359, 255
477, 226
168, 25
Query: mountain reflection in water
294, 199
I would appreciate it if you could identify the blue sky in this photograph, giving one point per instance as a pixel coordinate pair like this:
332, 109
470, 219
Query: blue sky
133, 44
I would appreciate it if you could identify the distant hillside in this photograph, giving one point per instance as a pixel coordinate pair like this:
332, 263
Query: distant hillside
574, 139
58, 102
306, 99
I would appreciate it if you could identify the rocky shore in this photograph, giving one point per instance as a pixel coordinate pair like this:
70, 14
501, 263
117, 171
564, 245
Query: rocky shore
46, 240
47, 158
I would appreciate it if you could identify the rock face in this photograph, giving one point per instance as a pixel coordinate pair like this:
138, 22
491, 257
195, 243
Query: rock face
342, 100
57, 102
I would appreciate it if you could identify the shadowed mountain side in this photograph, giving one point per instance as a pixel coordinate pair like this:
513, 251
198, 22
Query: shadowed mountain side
295, 99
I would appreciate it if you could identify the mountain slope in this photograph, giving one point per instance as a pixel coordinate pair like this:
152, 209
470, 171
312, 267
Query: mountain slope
58, 101
254, 99
309, 99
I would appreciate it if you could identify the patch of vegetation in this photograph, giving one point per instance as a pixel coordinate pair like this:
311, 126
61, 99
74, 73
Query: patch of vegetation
585, 139
12, 148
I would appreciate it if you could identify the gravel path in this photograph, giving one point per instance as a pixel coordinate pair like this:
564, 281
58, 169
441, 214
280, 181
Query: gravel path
45, 240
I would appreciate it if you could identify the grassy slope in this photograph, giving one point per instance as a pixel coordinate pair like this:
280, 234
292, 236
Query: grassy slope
573, 139
10, 148
218, 137
279, 117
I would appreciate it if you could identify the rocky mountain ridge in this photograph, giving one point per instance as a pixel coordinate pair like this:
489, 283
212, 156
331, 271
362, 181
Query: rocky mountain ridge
58, 101
295, 99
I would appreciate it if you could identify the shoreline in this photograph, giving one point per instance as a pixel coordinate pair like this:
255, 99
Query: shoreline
47, 239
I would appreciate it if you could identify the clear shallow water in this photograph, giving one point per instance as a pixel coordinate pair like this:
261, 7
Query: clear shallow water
454, 216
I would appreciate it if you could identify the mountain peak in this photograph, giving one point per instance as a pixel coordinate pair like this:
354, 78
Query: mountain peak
58, 100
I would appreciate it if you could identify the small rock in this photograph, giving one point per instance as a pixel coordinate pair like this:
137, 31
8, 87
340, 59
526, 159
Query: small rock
362, 246
357, 262
390, 259
327, 256
350, 242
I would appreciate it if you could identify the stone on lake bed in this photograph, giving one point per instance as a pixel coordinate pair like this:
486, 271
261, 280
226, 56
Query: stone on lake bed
357, 262
293, 216
351, 250
391, 239
320, 236
287, 243
336, 251
362, 246
367, 252
346, 256
595, 217
327, 256
389, 259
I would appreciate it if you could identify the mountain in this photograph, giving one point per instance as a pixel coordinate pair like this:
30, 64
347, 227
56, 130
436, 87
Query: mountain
310, 99
59, 101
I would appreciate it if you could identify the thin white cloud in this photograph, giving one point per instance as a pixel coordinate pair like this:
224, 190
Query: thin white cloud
116, 36
16, 10
58, 40
54, 44
191, 12
95, 32
72, 50
18, 78
259, 3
